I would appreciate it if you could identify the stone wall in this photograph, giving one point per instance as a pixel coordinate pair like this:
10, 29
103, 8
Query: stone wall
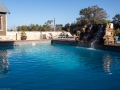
64, 42
31, 35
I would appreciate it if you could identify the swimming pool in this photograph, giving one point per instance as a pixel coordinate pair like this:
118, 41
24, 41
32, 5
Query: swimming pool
58, 67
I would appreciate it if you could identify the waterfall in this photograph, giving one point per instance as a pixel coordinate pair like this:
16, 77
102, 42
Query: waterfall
98, 36
88, 33
92, 44
92, 36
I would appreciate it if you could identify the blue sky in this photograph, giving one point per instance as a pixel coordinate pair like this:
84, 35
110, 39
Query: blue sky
26, 12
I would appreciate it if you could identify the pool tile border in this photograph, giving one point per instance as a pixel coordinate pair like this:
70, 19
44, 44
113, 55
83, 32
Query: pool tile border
87, 45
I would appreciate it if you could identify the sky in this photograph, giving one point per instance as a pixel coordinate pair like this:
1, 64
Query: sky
26, 12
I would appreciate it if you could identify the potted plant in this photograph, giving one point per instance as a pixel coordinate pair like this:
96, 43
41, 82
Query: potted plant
116, 33
23, 35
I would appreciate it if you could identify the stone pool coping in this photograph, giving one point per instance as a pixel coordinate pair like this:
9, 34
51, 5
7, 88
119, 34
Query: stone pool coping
113, 48
21, 42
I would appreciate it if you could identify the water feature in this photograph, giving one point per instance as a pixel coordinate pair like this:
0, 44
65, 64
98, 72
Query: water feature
100, 33
33, 44
92, 44
98, 38
88, 33
55, 67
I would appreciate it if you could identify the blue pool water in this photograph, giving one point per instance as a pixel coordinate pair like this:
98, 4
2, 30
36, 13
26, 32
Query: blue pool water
58, 67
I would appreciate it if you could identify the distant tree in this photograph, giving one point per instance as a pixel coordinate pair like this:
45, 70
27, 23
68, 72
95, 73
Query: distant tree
32, 27
106, 21
67, 27
18, 28
92, 15
59, 27
35, 27
49, 22
47, 25
25, 28
116, 21
40, 28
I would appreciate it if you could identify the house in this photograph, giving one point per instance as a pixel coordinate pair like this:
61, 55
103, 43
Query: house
3, 19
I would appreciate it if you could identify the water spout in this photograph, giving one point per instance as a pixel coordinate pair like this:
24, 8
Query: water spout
92, 44
33, 44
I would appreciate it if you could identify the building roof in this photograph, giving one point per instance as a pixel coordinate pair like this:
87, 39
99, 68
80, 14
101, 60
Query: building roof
3, 9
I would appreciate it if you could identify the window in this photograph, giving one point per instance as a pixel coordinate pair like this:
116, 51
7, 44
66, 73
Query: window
1, 24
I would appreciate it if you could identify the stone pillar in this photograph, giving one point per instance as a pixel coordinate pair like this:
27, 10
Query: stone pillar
109, 35
18, 36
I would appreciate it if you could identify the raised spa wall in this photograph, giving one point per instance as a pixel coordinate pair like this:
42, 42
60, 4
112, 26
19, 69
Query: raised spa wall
23, 42
87, 45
